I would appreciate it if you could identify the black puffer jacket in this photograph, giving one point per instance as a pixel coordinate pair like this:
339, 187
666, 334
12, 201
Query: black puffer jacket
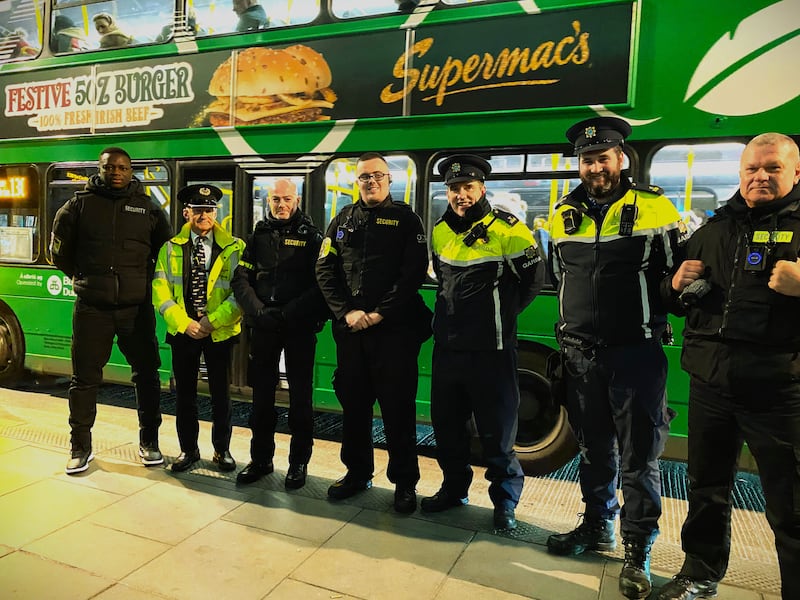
276, 272
108, 240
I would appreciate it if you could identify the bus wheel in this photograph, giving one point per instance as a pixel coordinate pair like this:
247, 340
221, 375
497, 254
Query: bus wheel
12, 347
545, 441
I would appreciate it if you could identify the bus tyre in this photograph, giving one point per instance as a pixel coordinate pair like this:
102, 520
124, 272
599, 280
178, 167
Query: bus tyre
12, 347
545, 441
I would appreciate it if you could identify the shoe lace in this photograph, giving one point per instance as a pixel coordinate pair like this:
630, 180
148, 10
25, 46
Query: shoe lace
636, 553
684, 582
586, 524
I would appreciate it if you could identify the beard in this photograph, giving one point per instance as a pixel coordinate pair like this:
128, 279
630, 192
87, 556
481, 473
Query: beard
602, 185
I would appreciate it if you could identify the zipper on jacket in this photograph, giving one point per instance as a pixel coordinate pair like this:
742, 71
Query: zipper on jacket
114, 274
741, 242
593, 279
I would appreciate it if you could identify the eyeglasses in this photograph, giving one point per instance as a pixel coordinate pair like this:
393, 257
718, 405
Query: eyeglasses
377, 176
202, 210
112, 168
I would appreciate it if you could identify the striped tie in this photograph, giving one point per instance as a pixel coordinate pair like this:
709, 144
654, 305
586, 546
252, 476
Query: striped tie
198, 280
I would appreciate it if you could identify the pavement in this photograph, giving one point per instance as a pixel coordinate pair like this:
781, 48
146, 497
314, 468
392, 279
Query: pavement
122, 531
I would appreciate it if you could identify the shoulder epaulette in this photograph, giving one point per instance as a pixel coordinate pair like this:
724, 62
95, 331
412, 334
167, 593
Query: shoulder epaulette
505, 216
565, 200
644, 187
398, 203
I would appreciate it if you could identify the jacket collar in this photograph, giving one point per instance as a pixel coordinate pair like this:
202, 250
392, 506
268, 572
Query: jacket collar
221, 237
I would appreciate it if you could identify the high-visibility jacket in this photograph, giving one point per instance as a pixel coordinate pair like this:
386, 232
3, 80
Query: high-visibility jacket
169, 287
483, 286
609, 283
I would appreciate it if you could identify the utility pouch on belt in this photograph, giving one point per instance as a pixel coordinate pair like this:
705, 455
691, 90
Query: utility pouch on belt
556, 375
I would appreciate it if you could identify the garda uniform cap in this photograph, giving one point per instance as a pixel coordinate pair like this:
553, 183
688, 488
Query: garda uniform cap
464, 167
200, 195
598, 133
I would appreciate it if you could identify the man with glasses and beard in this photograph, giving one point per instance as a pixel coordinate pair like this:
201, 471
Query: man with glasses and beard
372, 262
612, 243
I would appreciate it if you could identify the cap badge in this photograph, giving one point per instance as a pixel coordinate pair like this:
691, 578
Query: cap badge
455, 167
204, 191
590, 131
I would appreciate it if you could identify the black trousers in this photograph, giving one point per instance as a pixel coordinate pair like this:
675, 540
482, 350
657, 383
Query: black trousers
298, 347
483, 384
93, 332
186, 353
617, 408
720, 421
380, 365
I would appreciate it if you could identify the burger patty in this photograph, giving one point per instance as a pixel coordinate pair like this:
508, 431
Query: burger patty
297, 116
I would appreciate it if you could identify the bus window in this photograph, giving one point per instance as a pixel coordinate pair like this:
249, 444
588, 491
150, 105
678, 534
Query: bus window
261, 190
20, 29
155, 179
348, 9
341, 188
19, 214
698, 178
214, 18
66, 179
89, 24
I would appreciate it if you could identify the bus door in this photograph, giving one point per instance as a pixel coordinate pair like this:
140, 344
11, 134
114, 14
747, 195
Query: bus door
223, 175
245, 188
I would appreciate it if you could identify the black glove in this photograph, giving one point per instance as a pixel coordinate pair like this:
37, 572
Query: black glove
270, 319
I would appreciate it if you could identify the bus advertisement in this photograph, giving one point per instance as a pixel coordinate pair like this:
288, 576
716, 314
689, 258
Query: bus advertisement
193, 100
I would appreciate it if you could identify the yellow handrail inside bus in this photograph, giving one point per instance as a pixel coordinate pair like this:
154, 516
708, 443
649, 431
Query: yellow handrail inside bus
687, 201
409, 173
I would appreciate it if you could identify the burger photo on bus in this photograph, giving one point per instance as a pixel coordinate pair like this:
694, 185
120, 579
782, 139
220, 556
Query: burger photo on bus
272, 86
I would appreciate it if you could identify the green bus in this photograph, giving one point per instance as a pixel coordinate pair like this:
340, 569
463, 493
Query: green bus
194, 100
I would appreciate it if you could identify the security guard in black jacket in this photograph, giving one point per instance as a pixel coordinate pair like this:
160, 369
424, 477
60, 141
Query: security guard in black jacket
740, 291
612, 244
373, 261
488, 269
276, 287
106, 239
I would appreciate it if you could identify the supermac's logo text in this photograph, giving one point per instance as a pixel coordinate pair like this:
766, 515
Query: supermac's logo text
110, 100
481, 72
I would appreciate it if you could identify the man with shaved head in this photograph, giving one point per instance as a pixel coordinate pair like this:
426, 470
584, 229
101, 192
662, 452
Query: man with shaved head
277, 289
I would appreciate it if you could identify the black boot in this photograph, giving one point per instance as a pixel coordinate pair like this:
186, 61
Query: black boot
634, 580
592, 534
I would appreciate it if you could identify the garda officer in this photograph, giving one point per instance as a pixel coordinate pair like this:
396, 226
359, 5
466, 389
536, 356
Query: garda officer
612, 243
371, 265
488, 269
106, 238
277, 289
192, 291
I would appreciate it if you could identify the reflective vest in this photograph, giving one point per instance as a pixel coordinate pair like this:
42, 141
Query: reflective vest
483, 286
609, 282
222, 310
